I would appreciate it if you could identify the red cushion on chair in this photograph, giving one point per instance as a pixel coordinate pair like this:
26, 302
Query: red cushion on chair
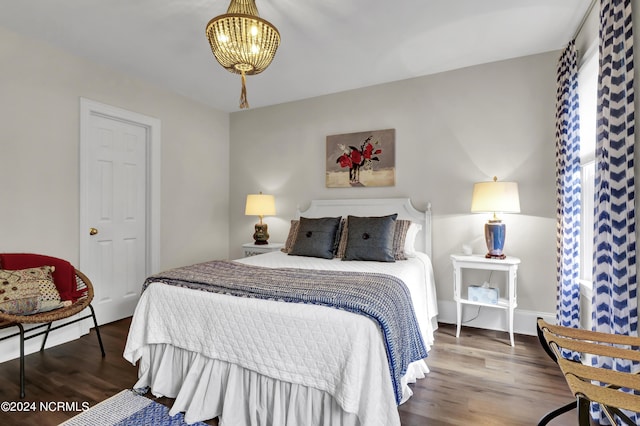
64, 275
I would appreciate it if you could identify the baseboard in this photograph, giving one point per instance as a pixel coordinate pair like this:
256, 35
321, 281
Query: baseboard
10, 348
524, 322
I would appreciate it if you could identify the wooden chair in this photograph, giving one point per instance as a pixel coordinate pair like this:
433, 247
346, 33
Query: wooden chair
580, 377
46, 319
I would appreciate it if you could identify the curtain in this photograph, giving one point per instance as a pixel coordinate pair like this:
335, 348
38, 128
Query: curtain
568, 189
615, 287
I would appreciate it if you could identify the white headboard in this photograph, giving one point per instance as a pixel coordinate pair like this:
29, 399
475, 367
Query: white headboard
375, 207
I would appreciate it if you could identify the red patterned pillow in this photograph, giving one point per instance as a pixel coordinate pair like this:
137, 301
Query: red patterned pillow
27, 291
19, 294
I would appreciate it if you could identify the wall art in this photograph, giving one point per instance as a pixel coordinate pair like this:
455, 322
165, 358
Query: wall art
361, 159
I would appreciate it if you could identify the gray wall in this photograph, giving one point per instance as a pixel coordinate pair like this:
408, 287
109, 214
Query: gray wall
452, 129
40, 88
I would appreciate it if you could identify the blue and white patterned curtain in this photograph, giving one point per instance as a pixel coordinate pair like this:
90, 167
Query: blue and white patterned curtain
615, 308
568, 189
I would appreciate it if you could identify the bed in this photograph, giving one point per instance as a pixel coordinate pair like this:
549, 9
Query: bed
265, 361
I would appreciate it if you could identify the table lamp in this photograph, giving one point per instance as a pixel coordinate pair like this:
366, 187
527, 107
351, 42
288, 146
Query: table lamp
260, 205
495, 197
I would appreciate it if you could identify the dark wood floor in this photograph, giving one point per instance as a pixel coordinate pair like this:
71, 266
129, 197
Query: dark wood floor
478, 379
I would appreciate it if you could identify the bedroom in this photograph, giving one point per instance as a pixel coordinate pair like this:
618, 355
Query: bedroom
443, 147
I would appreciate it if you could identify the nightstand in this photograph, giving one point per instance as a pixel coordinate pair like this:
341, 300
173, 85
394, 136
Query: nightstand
509, 265
251, 249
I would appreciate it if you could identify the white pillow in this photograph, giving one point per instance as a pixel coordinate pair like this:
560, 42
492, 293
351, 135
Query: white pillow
410, 241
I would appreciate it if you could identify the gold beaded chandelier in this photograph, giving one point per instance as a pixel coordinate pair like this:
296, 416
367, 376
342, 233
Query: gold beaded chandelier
242, 42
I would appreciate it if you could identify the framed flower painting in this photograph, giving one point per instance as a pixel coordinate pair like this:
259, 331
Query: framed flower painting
361, 159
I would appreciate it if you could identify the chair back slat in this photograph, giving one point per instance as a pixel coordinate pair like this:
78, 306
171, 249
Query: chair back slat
614, 390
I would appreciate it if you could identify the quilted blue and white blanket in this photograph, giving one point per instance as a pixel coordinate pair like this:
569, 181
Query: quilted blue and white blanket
383, 298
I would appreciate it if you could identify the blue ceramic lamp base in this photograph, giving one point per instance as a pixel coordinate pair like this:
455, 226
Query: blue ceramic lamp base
494, 235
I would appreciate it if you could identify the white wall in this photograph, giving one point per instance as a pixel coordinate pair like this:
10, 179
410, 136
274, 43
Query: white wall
452, 129
40, 88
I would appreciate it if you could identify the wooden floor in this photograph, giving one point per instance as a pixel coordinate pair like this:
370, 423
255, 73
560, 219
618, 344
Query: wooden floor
478, 379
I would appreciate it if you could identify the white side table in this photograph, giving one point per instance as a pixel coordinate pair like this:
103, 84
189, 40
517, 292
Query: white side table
508, 265
251, 249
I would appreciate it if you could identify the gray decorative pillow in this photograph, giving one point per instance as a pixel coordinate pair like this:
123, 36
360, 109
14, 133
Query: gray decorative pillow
370, 238
316, 237
399, 239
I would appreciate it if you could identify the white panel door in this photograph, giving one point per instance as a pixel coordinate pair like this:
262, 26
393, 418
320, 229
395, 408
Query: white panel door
116, 211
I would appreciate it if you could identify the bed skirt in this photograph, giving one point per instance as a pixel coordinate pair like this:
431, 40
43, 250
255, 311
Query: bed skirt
206, 388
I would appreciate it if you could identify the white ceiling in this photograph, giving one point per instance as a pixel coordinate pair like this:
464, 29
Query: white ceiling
327, 46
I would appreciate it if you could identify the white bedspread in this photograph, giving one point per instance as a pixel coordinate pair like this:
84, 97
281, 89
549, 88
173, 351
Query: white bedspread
416, 273
335, 352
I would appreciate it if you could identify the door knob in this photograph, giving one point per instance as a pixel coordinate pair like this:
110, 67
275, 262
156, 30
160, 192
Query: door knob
93, 231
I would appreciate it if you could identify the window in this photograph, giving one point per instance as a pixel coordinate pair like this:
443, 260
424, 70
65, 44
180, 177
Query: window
588, 96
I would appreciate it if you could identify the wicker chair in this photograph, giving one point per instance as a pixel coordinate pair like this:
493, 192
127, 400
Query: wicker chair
46, 319
581, 377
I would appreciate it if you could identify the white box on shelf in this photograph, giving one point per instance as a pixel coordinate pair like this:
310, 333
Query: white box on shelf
477, 293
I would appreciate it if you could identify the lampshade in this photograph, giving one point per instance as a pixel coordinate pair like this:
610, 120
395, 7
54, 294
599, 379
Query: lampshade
495, 197
242, 42
260, 205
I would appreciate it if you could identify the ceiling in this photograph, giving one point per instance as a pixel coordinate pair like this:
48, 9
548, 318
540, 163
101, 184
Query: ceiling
327, 46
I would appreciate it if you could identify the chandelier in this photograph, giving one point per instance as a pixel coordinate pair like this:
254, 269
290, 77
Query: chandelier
242, 42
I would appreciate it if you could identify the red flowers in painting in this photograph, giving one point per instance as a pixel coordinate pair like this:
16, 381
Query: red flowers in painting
368, 151
345, 161
355, 158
